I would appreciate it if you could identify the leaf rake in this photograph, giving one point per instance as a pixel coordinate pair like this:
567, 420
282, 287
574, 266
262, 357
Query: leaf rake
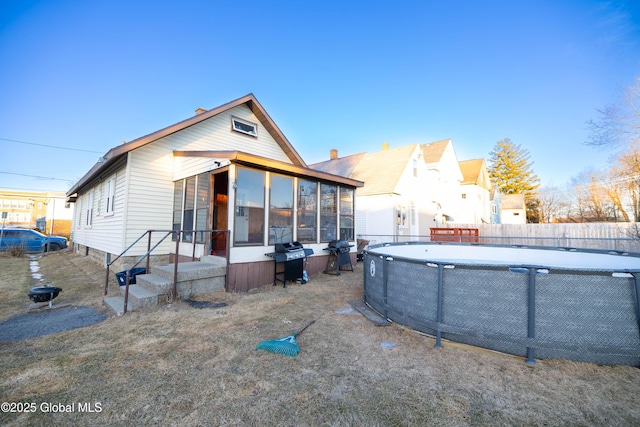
287, 345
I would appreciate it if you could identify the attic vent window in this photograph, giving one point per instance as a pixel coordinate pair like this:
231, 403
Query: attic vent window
244, 126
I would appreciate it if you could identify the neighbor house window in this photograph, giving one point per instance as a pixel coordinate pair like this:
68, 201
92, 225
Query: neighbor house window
346, 214
328, 212
89, 210
401, 212
249, 214
281, 210
413, 213
307, 210
111, 191
244, 126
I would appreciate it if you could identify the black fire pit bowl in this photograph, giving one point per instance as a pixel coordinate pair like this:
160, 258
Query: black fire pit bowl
44, 293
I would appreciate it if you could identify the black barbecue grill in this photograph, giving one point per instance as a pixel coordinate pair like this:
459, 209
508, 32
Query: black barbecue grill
338, 256
292, 256
44, 293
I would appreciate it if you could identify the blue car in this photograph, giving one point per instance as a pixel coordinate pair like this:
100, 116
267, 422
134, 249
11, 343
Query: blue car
30, 240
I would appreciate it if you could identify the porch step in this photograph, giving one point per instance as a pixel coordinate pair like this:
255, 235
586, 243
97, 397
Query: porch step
139, 296
155, 283
194, 278
191, 270
116, 304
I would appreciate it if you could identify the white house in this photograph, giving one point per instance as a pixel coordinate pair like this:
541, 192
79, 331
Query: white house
228, 168
407, 190
475, 194
512, 209
444, 177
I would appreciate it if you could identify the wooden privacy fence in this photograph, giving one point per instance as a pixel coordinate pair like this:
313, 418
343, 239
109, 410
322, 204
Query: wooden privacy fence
618, 236
622, 236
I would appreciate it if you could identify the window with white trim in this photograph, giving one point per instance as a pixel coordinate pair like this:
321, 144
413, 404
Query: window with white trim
89, 210
110, 194
243, 126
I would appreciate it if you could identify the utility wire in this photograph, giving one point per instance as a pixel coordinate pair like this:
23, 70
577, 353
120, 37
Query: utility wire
39, 177
51, 146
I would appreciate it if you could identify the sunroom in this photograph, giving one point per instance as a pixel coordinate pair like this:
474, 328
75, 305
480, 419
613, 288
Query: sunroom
261, 202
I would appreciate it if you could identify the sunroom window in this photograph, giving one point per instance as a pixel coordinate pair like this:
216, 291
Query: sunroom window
249, 214
346, 214
328, 212
281, 210
307, 210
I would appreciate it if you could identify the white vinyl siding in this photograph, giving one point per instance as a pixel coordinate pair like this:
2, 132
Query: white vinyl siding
143, 198
215, 134
106, 231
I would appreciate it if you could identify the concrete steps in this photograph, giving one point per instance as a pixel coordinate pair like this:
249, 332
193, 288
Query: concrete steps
194, 278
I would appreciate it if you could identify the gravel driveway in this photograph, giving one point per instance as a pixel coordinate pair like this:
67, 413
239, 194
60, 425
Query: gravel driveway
46, 322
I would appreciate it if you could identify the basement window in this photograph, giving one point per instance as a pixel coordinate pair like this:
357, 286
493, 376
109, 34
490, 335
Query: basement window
244, 126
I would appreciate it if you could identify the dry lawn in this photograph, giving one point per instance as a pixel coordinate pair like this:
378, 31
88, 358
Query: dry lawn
177, 365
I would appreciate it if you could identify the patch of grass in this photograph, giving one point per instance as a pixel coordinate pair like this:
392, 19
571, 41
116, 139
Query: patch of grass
15, 280
178, 365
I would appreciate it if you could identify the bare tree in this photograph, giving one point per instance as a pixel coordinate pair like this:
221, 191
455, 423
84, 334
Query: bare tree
627, 173
618, 124
549, 203
615, 190
590, 197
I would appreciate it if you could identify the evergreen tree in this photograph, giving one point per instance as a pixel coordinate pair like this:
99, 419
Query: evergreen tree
512, 173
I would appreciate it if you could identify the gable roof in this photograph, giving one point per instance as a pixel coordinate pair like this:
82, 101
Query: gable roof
512, 201
249, 100
433, 151
343, 166
379, 171
474, 173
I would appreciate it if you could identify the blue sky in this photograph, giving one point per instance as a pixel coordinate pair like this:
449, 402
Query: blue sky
86, 75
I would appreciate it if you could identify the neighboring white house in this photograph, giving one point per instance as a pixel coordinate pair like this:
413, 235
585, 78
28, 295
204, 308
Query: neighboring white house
407, 190
512, 209
228, 168
444, 178
475, 193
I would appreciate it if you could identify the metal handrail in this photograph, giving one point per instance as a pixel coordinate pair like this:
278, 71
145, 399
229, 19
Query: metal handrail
106, 283
127, 279
178, 234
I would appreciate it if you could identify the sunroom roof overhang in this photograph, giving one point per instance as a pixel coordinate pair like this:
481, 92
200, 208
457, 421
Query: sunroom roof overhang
258, 162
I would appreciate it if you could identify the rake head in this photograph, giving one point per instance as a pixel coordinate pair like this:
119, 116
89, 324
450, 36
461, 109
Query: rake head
287, 346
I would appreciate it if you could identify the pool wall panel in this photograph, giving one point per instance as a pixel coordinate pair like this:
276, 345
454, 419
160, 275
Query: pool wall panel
586, 316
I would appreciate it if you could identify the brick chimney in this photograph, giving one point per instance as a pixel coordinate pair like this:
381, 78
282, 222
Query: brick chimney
200, 110
333, 154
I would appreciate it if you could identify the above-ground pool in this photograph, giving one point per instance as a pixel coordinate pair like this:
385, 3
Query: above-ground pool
543, 303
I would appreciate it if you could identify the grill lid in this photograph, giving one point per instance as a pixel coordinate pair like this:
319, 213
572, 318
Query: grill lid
339, 244
288, 247
284, 252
